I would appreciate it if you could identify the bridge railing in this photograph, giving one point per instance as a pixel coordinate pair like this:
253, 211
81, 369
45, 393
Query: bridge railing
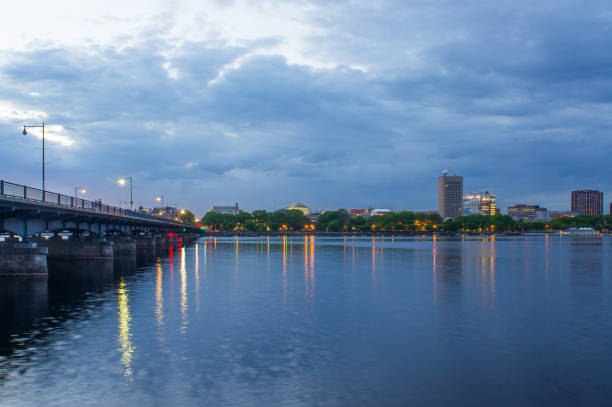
24, 192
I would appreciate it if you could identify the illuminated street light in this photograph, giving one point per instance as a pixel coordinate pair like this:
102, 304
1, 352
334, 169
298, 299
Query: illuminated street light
77, 190
160, 199
122, 182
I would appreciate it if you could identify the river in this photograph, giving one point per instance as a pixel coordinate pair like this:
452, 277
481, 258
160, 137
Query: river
314, 321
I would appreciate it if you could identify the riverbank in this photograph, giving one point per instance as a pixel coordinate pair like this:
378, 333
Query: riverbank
356, 234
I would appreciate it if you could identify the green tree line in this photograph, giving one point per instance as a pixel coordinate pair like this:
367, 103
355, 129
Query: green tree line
341, 220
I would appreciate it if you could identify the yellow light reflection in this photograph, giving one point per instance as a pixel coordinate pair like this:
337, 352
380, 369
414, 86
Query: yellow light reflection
284, 270
373, 258
306, 266
159, 298
197, 275
183, 273
435, 256
125, 336
312, 262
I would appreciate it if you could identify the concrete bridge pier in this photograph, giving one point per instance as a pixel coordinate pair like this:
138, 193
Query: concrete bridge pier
145, 250
124, 247
77, 249
161, 246
23, 260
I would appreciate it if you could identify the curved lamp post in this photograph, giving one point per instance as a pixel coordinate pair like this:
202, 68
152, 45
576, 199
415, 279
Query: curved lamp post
25, 133
122, 182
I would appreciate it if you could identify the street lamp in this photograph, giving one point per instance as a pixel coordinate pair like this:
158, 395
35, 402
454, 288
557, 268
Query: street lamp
160, 199
122, 182
77, 190
25, 133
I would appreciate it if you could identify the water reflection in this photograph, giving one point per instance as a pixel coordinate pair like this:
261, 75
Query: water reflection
125, 336
196, 275
159, 293
22, 302
312, 266
183, 273
448, 275
486, 275
284, 270
362, 347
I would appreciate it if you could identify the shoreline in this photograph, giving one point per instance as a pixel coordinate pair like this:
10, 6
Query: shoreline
356, 234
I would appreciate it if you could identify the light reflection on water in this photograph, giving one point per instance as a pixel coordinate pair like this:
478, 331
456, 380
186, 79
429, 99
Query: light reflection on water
125, 336
343, 321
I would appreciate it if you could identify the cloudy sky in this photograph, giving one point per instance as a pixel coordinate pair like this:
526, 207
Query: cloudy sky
335, 104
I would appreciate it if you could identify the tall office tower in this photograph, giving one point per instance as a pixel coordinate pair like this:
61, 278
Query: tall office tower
450, 195
479, 203
587, 202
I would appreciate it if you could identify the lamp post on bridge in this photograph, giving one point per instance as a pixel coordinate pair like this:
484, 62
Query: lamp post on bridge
25, 133
122, 182
77, 190
161, 199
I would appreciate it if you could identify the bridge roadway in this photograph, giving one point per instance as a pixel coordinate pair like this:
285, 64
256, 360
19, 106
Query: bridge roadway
27, 211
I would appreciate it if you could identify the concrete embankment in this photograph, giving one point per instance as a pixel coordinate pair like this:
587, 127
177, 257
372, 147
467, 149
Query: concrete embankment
76, 249
23, 259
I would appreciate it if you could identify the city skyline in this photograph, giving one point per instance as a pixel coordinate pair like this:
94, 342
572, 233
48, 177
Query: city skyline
265, 105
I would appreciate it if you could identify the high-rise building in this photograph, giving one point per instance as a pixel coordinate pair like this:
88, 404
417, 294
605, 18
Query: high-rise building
587, 202
479, 203
450, 195
527, 212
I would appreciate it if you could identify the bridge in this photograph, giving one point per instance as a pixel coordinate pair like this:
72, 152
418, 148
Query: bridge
27, 211
39, 227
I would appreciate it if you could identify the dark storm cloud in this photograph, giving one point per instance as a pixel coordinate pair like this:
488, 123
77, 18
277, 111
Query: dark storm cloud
516, 97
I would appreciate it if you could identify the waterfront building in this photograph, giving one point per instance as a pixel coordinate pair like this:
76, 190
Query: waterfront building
557, 214
360, 212
587, 202
300, 207
479, 203
450, 195
231, 210
527, 212
375, 212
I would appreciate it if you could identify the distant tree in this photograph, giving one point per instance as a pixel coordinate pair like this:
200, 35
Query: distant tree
187, 216
334, 226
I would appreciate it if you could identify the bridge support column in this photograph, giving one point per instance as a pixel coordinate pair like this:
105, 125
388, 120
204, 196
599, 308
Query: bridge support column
123, 248
23, 259
145, 250
76, 249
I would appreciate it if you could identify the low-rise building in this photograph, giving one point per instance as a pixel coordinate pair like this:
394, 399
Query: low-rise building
300, 207
527, 212
380, 211
231, 210
359, 212
557, 214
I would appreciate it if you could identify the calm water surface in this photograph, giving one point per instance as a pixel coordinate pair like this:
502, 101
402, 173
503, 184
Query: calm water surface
319, 321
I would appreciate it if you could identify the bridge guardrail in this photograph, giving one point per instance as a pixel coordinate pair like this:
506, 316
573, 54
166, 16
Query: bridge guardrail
26, 193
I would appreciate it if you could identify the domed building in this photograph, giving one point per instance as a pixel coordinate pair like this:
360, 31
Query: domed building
300, 207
